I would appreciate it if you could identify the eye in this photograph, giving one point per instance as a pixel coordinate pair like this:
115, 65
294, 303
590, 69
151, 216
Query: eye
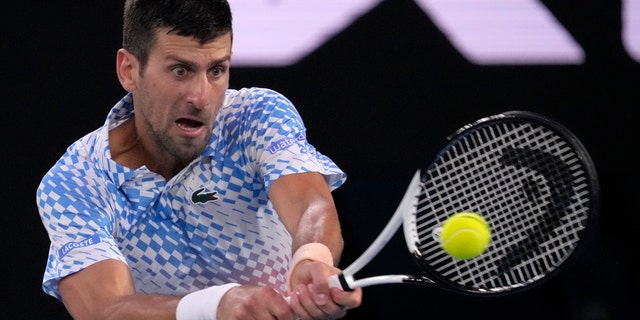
179, 71
217, 71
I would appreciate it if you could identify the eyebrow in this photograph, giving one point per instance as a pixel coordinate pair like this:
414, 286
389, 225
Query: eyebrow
193, 65
224, 59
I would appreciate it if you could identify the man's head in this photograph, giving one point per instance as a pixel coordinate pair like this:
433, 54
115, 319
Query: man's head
176, 62
202, 19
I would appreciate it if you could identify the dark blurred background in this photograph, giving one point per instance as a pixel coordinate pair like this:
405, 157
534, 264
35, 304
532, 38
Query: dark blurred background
378, 98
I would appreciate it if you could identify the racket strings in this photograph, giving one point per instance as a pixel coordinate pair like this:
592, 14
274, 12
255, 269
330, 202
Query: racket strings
527, 182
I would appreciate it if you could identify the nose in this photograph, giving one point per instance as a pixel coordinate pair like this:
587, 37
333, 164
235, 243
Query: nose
199, 93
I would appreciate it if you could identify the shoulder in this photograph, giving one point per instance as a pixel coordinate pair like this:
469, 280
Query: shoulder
256, 107
255, 96
77, 166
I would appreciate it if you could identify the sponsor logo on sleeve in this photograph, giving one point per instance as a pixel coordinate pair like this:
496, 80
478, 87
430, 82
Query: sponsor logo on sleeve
79, 244
285, 143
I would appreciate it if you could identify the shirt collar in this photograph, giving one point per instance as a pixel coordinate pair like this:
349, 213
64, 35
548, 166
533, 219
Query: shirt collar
118, 173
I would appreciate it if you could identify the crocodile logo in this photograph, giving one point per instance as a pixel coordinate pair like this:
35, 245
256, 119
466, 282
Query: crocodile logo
203, 197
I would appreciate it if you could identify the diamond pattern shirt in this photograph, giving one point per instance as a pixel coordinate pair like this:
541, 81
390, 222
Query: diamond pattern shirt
211, 224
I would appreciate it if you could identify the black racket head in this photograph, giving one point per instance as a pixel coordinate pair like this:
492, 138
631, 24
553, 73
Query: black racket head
530, 178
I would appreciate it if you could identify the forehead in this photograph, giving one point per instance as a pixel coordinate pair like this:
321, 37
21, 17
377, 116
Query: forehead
171, 44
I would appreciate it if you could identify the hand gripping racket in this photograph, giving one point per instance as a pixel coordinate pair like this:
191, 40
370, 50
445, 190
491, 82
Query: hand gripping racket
529, 177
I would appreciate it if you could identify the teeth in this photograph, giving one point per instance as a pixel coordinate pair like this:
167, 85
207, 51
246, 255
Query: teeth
185, 127
188, 125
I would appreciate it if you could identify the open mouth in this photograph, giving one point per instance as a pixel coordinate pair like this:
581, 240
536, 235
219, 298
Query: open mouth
188, 124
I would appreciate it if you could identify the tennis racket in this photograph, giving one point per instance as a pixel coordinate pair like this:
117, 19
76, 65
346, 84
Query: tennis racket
529, 177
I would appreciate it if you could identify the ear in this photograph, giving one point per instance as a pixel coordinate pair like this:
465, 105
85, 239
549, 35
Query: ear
127, 67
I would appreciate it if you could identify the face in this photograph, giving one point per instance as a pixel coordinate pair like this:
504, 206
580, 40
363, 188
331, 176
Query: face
179, 94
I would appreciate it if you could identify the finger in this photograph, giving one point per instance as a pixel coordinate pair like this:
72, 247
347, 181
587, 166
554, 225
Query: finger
347, 299
294, 301
308, 302
325, 302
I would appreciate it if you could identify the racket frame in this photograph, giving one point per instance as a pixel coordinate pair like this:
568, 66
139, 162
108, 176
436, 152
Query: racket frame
405, 214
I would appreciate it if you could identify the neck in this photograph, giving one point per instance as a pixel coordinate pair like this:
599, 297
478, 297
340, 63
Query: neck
129, 150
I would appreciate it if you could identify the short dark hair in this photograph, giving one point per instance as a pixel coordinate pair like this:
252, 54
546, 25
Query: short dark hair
202, 19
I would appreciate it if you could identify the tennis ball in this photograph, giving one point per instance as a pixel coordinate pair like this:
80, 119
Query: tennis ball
465, 235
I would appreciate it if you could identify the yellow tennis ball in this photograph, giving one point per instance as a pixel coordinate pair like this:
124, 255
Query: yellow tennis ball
465, 235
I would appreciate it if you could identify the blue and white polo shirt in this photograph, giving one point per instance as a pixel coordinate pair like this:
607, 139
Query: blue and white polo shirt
211, 224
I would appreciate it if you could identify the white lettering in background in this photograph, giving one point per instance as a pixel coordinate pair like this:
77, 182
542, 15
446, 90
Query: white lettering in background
504, 31
278, 33
631, 28
485, 32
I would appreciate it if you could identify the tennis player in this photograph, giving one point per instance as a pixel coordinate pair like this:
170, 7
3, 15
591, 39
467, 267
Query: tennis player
193, 200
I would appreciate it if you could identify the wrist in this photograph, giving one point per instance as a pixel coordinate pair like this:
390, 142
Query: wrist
202, 304
314, 251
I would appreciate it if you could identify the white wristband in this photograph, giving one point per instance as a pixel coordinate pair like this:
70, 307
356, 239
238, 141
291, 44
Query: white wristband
202, 304
311, 251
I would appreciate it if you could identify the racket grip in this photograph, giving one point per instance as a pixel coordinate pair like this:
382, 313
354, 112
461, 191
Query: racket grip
334, 282
338, 281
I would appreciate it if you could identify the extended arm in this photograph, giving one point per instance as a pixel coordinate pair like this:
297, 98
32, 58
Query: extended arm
305, 205
105, 290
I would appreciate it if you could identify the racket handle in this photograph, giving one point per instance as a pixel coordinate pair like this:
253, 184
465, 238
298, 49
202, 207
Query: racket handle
334, 282
340, 282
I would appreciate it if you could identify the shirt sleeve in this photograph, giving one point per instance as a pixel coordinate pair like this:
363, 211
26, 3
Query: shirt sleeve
276, 140
74, 211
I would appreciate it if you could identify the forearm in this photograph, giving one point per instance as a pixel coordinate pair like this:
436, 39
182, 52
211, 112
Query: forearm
317, 238
305, 206
320, 224
202, 304
105, 290
137, 306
